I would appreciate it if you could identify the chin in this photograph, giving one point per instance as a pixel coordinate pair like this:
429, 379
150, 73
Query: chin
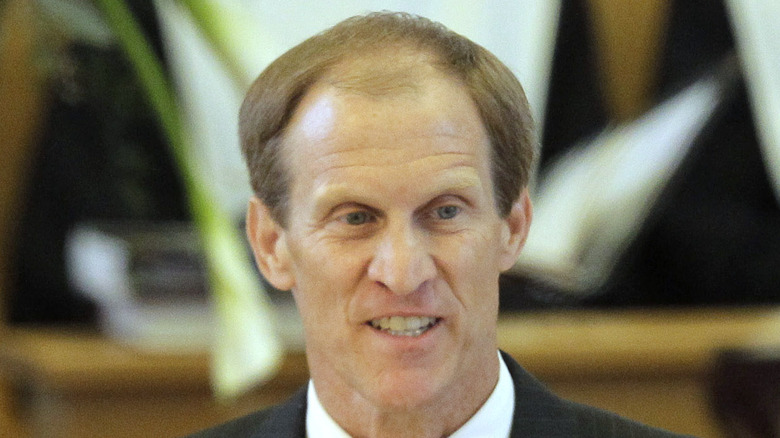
409, 390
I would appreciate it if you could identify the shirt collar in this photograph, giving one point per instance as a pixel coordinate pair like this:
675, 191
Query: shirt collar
493, 419
318, 422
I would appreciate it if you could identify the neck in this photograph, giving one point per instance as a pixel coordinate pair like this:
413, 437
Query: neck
440, 416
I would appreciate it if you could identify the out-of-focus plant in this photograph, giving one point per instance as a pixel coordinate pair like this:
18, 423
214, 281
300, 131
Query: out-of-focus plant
233, 35
246, 349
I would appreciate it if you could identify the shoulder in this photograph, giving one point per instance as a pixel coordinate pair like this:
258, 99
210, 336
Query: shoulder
597, 423
241, 427
285, 420
540, 413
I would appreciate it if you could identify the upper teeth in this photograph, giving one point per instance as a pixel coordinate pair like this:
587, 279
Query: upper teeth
404, 326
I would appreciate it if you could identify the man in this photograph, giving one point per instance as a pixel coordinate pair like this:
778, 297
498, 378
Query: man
390, 158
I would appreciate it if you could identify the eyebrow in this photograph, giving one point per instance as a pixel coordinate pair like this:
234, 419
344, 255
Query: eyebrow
329, 196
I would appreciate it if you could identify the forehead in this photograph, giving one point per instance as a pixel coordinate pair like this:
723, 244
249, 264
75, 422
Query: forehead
362, 103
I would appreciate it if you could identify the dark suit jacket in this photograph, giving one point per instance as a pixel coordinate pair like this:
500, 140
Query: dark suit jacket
538, 414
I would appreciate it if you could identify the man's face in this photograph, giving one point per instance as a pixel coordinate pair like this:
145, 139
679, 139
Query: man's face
393, 245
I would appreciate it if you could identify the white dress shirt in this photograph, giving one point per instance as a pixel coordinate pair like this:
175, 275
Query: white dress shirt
493, 419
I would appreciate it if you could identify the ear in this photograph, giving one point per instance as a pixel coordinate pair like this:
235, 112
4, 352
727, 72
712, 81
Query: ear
269, 245
518, 222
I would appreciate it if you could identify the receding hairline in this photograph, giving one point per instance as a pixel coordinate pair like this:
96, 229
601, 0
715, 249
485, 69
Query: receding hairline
412, 73
276, 93
397, 68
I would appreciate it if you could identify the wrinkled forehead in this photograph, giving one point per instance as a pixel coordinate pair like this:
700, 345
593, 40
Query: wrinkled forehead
404, 102
393, 86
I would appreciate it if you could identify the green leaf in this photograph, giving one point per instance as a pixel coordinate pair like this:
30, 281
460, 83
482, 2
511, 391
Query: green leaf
246, 349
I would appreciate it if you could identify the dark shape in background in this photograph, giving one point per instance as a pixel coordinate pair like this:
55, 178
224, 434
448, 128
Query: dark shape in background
714, 236
101, 157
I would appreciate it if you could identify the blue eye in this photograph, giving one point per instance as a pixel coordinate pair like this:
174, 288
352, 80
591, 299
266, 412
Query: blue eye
357, 218
447, 211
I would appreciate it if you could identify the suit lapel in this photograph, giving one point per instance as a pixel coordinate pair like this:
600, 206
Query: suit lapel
287, 420
538, 413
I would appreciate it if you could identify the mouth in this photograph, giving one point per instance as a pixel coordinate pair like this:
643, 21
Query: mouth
411, 326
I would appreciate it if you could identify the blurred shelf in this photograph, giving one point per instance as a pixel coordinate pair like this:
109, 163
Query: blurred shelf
635, 343
652, 365
80, 384
86, 362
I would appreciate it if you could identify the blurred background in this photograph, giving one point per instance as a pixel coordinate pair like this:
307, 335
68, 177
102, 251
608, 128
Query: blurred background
657, 190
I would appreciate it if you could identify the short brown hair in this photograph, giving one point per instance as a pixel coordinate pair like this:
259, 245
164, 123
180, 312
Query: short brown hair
275, 94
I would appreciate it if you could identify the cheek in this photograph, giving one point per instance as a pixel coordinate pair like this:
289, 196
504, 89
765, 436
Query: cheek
328, 265
471, 268
473, 255
326, 278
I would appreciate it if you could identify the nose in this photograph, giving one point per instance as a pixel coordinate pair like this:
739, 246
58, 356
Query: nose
402, 260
